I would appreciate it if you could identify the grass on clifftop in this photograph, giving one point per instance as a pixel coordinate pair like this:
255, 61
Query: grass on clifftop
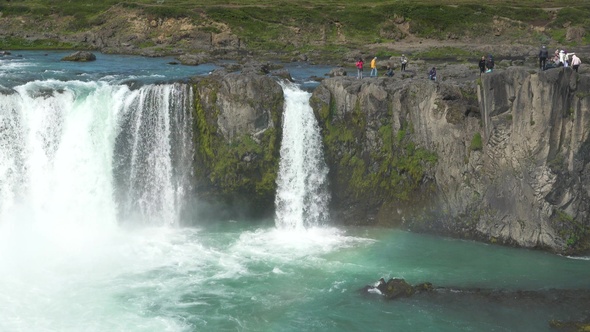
327, 25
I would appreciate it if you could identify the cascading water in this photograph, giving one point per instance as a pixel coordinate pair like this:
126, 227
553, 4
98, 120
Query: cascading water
302, 195
92, 155
153, 156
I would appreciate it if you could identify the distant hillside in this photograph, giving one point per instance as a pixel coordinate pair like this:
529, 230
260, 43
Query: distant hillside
319, 29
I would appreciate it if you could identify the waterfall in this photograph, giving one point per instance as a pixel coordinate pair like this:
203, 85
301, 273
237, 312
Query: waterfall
154, 154
93, 155
302, 195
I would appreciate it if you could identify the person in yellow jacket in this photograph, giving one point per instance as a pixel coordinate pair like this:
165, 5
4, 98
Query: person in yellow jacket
374, 67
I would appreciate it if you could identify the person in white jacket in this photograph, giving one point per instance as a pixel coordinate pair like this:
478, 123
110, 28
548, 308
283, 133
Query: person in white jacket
562, 58
576, 62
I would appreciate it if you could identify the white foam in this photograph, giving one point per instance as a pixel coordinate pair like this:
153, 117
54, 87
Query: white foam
582, 258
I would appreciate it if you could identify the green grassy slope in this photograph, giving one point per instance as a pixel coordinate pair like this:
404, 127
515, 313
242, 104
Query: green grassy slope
328, 25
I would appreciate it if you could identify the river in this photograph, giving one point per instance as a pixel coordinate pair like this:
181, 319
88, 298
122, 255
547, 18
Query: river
91, 188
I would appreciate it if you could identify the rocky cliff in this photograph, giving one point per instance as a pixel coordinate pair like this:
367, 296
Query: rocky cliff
534, 176
504, 159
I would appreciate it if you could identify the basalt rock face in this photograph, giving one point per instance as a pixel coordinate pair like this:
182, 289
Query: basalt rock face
535, 179
391, 144
502, 159
237, 134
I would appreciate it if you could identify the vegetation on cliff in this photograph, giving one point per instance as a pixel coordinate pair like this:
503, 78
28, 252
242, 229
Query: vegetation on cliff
245, 166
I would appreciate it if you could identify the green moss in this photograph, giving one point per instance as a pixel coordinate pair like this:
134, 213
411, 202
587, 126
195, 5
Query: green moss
573, 232
470, 94
557, 164
394, 170
240, 166
386, 134
204, 131
476, 143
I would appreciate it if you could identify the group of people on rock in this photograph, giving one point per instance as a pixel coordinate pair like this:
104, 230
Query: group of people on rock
560, 58
360, 64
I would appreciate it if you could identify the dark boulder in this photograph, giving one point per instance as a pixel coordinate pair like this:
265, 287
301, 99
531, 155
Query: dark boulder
80, 56
396, 288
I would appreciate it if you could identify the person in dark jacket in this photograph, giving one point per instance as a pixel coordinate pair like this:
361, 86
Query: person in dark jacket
482, 65
432, 74
490, 64
543, 55
389, 72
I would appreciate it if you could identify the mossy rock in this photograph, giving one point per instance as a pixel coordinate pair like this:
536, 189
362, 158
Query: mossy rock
396, 288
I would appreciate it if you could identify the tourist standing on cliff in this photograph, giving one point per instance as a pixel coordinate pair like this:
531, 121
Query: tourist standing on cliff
490, 64
482, 65
432, 74
359, 68
576, 62
543, 55
404, 62
563, 58
374, 67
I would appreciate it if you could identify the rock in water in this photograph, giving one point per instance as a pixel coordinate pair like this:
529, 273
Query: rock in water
80, 56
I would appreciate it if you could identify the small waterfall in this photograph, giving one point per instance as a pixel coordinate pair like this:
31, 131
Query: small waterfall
93, 155
302, 195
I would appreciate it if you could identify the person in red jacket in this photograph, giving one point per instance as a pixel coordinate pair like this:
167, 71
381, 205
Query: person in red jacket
359, 69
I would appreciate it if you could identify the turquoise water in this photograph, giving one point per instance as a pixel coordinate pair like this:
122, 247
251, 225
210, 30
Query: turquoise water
27, 66
236, 276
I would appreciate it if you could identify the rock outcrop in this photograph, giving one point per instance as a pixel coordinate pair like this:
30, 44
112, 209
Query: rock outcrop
396, 288
501, 160
80, 56
237, 133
